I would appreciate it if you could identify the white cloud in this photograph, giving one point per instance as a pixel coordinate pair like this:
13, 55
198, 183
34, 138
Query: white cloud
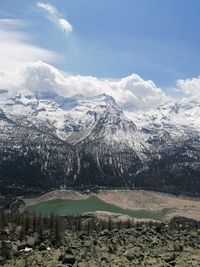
190, 87
49, 8
16, 48
131, 92
64, 25
54, 15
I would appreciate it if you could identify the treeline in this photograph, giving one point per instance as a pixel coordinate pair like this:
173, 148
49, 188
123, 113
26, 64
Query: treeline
17, 226
28, 231
52, 227
89, 224
31, 222
20, 225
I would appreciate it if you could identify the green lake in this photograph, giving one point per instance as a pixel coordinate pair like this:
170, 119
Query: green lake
91, 204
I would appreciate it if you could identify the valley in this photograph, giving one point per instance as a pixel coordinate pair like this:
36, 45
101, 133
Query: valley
99, 133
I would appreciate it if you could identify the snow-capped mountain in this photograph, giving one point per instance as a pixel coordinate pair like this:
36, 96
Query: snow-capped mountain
76, 119
49, 141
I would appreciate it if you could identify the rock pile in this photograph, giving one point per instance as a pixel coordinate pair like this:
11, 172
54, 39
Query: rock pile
153, 244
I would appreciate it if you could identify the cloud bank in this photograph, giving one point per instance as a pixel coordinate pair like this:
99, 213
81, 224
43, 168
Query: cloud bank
54, 15
191, 87
16, 48
131, 92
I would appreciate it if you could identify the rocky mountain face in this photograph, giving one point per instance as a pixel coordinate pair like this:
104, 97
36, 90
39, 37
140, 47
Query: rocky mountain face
48, 141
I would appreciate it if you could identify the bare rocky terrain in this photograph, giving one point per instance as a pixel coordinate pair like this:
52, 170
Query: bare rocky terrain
145, 244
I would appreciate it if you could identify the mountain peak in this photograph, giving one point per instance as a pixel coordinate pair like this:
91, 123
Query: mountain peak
106, 98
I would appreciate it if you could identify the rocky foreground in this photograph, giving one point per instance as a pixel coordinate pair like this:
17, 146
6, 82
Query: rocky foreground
144, 244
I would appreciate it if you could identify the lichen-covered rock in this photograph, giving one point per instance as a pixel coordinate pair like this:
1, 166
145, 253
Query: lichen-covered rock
30, 242
133, 253
68, 258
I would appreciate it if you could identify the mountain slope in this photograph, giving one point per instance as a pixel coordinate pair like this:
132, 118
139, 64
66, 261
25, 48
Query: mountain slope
48, 141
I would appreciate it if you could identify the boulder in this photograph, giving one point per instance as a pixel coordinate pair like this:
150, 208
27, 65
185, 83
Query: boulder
14, 249
42, 247
21, 245
82, 264
133, 253
105, 232
30, 242
68, 259
170, 258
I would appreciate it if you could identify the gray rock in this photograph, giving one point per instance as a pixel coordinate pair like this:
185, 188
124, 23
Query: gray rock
170, 258
21, 245
68, 259
133, 253
30, 242
42, 247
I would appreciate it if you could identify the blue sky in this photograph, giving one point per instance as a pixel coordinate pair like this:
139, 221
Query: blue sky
159, 40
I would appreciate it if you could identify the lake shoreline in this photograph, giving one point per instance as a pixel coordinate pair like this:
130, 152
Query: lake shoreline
131, 199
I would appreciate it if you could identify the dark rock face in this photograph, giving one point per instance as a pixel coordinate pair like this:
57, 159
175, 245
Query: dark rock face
37, 162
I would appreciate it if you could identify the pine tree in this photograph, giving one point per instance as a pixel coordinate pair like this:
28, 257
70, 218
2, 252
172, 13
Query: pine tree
2, 218
59, 229
110, 224
40, 227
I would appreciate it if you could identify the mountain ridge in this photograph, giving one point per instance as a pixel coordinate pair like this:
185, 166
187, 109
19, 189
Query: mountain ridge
49, 141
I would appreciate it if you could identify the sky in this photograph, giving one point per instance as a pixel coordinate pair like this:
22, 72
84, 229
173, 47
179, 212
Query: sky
109, 39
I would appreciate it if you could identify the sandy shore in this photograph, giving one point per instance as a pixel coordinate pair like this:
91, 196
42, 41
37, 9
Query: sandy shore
133, 199
104, 215
58, 194
154, 201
